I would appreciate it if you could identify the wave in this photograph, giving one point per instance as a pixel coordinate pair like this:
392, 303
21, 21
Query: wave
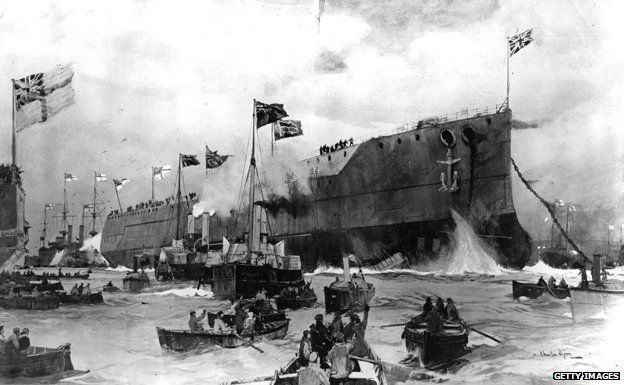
185, 292
118, 268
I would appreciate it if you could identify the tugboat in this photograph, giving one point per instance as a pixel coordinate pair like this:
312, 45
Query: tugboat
352, 294
137, 280
255, 262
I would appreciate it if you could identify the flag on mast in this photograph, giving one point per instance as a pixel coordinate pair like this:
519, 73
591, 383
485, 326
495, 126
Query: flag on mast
120, 183
287, 129
70, 177
42, 95
519, 41
99, 177
214, 160
160, 172
189, 160
269, 113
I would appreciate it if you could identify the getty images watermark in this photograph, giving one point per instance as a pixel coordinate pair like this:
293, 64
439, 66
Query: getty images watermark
585, 376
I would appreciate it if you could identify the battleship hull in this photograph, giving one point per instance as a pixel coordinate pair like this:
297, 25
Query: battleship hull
391, 193
13, 225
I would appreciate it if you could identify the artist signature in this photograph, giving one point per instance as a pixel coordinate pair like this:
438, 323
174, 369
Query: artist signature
555, 353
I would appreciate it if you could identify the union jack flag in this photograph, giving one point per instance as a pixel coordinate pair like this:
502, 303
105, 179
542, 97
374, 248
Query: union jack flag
517, 42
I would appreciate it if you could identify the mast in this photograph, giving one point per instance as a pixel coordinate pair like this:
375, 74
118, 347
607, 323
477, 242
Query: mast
117, 193
152, 185
94, 194
14, 127
64, 231
179, 197
252, 173
45, 224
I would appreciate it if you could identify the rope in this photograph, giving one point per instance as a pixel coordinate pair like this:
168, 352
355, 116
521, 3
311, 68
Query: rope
550, 209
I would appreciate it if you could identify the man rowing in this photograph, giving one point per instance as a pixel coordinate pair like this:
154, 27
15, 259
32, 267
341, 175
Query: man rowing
194, 324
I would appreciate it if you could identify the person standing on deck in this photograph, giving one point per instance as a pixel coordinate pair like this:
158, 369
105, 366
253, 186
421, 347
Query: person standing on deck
194, 324
584, 283
312, 374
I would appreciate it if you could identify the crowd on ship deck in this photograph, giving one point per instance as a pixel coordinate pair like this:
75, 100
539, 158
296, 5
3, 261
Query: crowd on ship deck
154, 203
340, 145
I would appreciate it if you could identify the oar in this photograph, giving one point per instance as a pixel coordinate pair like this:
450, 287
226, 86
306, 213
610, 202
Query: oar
248, 342
249, 380
478, 331
393, 325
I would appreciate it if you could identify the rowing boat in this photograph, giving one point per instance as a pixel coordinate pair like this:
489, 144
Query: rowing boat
530, 290
40, 302
38, 361
297, 302
436, 348
93, 298
275, 327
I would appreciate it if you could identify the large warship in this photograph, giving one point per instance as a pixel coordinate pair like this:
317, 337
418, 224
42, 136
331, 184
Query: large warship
386, 194
13, 224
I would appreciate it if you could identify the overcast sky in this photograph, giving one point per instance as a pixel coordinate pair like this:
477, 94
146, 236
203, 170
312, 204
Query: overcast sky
153, 79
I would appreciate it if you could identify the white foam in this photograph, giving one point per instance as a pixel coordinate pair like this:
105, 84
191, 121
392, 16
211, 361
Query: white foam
185, 292
118, 268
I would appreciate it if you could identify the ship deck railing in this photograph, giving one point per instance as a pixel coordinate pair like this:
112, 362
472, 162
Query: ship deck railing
409, 126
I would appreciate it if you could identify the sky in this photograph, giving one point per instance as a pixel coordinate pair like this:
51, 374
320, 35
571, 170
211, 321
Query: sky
154, 79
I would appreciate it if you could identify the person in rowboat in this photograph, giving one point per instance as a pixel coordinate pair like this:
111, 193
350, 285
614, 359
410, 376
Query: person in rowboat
452, 311
194, 324
320, 338
435, 322
312, 374
305, 348
552, 282
241, 315
541, 282
338, 357
440, 308
584, 283
220, 326
563, 284
87, 289
336, 326
24, 341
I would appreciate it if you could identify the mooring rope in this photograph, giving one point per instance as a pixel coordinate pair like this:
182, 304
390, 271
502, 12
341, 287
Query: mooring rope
551, 211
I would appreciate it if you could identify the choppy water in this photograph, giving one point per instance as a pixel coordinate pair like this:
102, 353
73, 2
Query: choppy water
118, 343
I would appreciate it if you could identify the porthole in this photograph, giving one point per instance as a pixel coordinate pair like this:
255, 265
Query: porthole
447, 138
417, 137
329, 158
345, 154
468, 134
380, 144
399, 140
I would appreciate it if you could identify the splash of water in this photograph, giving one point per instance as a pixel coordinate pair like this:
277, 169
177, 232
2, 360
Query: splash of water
469, 255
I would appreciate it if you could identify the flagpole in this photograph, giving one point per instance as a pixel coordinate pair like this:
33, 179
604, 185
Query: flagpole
152, 183
508, 82
13, 133
273, 127
179, 197
117, 192
252, 171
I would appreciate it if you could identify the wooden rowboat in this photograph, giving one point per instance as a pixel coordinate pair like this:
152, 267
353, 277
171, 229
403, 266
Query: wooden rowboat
294, 303
38, 362
135, 282
275, 327
62, 276
436, 348
93, 298
40, 302
372, 372
522, 289
595, 303
352, 295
